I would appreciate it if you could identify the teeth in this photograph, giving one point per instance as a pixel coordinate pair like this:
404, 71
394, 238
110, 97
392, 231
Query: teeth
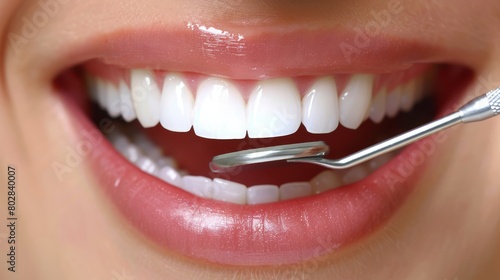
146, 164
377, 110
219, 110
320, 112
146, 97
143, 153
407, 97
132, 153
169, 175
274, 109
198, 185
294, 190
176, 104
263, 194
354, 174
324, 181
101, 88
166, 161
127, 107
392, 102
355, 100
113, 100
229, 191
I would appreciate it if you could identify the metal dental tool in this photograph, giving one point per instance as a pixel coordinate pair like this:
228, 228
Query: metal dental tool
478, 109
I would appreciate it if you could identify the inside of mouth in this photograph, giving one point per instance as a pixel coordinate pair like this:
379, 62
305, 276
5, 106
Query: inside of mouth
181, 158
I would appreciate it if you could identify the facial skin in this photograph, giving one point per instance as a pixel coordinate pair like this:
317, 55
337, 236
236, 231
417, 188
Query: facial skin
447, 229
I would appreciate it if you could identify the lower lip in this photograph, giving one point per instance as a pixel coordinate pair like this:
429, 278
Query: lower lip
269, 234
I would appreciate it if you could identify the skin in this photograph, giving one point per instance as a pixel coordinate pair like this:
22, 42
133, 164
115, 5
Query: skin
447, 229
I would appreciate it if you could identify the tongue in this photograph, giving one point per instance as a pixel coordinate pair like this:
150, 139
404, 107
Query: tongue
194, 153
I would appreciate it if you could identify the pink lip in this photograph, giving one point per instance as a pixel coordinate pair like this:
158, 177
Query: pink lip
254, 56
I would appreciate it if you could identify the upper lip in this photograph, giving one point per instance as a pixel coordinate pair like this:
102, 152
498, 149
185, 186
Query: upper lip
258, 55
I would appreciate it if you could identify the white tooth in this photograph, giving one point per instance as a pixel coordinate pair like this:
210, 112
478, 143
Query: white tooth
392, 102
320, 112
324, 181
274, 109
146, 164
146, 97
169, 175
198, 185
377, 110
166, 161
375, 163
229, 191
294, 190
132, 153
113, 100
176, 104
355, 100
127, 107
101, 92
354, 174
262, 194
407, 98
120, 142
219, 110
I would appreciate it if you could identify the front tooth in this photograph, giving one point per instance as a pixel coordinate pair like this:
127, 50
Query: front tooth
295, 190
263, 194
377, 110
392, 102
127, 107
146, 97
325, 181
219, 110
198, 185
355, 100
177, 104
320, 112
229, 191
274, 109
113, 100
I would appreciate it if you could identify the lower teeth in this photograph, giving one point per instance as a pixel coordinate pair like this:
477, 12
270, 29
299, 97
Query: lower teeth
144, 154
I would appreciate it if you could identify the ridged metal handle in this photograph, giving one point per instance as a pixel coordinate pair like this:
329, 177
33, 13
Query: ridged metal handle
494, 100
482, 107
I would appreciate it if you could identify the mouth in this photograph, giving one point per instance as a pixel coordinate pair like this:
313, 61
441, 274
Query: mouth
164, 121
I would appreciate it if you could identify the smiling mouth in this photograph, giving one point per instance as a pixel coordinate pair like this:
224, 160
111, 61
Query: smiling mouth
169, 120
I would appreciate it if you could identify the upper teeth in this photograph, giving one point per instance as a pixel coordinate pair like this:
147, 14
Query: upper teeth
274, 107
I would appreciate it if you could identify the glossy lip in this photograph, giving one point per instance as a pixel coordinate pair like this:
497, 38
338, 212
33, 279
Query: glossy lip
257, 56
278, 233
